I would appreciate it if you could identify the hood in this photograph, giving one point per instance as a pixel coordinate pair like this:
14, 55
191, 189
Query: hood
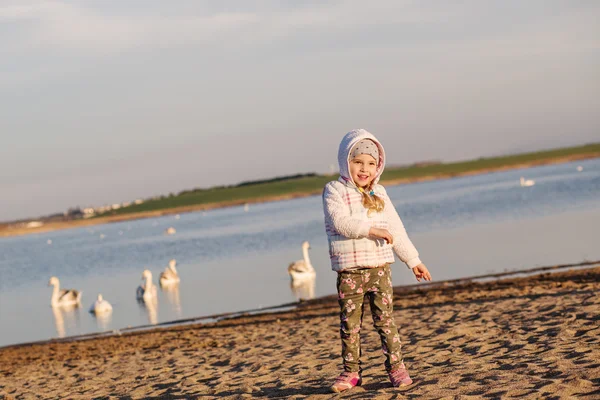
348, 141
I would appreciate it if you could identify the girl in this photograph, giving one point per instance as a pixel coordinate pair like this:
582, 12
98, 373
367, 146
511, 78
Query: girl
364, 229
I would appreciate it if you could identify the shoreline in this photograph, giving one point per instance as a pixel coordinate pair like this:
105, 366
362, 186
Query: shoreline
286, 307
525, 337
7, 230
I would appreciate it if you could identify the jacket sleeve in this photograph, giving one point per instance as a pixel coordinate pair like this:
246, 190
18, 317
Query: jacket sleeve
403, 247
337, 213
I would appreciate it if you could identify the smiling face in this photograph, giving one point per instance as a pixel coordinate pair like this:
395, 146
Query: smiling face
363, 169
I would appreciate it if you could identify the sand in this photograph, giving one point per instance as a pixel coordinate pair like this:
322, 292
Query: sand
529, 337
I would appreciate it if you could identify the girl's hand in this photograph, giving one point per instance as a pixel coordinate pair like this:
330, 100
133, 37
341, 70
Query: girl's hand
421, 272
381, 234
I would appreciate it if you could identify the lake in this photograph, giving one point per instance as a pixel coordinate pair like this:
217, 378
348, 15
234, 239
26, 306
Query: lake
234, 259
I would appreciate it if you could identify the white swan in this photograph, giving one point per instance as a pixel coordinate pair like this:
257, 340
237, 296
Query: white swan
579, 168
302, 269
170, 275
101, 306
147, 290
170, 231
304, 289
63, 297
527, 182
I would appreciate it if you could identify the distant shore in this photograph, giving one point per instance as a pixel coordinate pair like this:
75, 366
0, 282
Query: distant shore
527, 337
7, 230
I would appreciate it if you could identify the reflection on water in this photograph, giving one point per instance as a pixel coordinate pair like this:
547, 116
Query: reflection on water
304, 289
59, 322
150, 307
103, 320
66, 319
172, 292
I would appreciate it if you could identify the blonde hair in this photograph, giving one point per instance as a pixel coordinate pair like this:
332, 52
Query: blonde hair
371, 202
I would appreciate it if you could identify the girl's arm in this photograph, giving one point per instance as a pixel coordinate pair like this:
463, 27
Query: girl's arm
402, 245
337, 213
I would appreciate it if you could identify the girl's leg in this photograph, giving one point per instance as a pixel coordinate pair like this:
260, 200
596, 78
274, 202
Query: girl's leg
351, 300
380, 298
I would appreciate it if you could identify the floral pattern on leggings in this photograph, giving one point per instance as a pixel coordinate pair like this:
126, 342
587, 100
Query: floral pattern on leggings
374, 284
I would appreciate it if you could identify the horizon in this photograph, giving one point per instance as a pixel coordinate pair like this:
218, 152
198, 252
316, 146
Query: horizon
260, 179
107, 102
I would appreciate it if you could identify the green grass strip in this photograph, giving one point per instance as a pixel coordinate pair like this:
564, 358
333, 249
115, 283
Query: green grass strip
312, 183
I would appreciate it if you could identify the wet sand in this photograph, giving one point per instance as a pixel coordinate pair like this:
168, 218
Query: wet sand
528, 337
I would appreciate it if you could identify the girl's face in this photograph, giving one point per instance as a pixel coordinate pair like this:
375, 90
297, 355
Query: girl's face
363, 169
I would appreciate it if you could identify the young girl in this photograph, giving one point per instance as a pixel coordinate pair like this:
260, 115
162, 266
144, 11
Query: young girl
364, 230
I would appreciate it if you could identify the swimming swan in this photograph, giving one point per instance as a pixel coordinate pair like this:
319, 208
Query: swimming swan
63, 297
302, 269
527, 182
101, 306
147, 290
170, 275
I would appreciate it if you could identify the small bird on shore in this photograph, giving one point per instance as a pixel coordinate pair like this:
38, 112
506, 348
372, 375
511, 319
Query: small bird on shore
170, 275
63, 297
147, 290
302, 270
101, 306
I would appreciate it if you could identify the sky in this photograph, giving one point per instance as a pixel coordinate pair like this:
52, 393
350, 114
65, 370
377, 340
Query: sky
109, 101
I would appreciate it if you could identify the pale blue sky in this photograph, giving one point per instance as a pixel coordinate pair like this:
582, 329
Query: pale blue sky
108, 101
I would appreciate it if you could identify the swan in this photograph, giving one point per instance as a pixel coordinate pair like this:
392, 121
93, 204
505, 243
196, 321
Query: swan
579, 168
101, 306
304, 289
147, 290
169, 276
302, 269
527, 182
64, 297
170, 231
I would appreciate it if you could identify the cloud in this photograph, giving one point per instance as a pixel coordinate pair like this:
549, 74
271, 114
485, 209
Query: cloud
67, 26
73, 26
101, 28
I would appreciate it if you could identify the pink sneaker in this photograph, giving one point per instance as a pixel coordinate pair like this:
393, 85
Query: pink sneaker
347, 380
399, 377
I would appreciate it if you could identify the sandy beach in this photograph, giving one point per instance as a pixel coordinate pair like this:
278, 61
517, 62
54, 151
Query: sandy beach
524, 337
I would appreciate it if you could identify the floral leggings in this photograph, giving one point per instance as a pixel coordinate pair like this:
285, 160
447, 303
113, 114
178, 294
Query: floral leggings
375, 284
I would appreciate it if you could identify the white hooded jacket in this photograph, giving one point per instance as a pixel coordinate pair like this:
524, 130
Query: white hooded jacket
347, 222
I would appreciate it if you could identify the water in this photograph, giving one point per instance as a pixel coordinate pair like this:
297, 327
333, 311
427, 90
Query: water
231, 259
